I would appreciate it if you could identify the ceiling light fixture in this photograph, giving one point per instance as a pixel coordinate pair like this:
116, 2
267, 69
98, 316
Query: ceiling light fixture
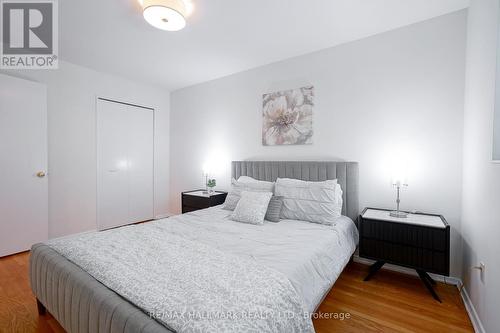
167, 15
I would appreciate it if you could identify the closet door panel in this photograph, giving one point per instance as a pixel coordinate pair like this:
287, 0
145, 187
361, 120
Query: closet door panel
140, 163
112, 165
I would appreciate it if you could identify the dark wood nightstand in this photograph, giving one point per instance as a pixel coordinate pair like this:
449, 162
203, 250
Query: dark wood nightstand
198, 199
420, 242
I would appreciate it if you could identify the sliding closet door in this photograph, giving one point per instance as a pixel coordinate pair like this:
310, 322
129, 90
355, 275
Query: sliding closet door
124, 164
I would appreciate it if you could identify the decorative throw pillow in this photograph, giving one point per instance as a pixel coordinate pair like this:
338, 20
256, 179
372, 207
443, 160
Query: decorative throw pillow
274, 209
237, 187
316, 202
252, 207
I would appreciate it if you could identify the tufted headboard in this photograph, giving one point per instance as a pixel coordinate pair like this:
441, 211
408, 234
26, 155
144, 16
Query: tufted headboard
345, 172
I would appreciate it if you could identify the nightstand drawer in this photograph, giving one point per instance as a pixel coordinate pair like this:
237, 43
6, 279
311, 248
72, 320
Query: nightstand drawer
187, 209
198, 199
195, 202
404, 234
429, 260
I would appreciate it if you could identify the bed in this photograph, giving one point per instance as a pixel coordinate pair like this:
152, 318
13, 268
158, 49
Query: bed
301, 256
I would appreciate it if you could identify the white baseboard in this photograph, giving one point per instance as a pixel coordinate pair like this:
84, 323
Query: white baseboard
471, 310
163, 216
469, 307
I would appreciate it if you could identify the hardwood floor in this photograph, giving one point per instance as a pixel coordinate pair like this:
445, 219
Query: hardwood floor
18, 312
390, 302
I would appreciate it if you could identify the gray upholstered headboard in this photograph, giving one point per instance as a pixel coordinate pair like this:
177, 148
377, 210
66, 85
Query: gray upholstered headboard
345, 172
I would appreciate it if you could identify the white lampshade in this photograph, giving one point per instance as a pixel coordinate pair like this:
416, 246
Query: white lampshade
167, 15
206, 168
399, 181
399, 174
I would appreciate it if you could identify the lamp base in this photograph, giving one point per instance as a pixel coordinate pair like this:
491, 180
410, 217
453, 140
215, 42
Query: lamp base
397, 213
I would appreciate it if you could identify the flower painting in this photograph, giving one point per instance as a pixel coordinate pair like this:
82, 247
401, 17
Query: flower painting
287, 117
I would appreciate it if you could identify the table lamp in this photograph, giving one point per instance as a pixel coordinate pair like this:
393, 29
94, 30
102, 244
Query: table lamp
206, 173
399, 181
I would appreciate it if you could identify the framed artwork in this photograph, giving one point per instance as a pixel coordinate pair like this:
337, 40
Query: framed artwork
287, 117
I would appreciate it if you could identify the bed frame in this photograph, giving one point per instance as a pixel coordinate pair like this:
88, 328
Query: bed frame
82, 304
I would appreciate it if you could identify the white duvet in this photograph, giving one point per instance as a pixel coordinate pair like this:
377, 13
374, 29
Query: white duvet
311, 255
189, 269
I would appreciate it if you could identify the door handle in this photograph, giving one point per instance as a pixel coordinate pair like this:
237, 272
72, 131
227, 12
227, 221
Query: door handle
40, 174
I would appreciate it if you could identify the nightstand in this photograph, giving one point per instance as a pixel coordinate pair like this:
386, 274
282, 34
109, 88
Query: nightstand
420, 242
198, 199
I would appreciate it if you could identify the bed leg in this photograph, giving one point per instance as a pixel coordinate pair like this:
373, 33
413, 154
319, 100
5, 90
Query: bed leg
41, 308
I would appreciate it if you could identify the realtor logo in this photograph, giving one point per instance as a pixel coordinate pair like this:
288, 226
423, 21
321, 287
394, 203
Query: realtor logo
29, 34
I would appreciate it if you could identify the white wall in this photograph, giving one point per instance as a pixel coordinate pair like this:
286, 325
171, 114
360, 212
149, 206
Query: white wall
72, 92
397, 93
481, 178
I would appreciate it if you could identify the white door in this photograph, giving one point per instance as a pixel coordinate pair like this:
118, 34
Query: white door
23, 164
125, 146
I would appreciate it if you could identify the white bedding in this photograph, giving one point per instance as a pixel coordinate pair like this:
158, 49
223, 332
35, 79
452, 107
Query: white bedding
187, 285
202, 262
311, 255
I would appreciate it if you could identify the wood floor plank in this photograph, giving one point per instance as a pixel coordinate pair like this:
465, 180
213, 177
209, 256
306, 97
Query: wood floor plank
390, 302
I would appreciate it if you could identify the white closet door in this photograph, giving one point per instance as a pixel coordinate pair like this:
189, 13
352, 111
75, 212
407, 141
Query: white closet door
112, 160
23, 164
140, 164
124, 164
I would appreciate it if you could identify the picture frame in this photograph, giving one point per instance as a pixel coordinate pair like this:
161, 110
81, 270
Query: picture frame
287, 117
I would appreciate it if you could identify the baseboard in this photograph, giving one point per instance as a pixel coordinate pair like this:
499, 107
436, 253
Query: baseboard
469, 307
471, 310
163, 216
440, 278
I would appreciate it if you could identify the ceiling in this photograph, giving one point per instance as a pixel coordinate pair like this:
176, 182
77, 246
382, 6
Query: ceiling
223, 37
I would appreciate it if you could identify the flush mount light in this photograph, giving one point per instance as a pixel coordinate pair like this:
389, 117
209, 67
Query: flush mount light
167, 15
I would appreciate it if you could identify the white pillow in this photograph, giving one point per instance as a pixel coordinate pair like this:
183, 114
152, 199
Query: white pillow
338, 197
318, 202
252, 207
237, 187
247, 179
